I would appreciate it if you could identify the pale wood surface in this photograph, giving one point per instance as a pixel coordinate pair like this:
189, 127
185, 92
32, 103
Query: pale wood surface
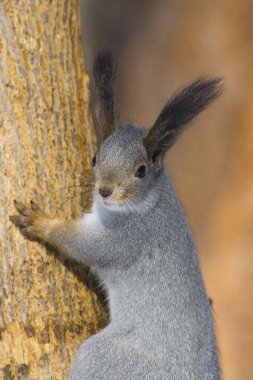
46, 143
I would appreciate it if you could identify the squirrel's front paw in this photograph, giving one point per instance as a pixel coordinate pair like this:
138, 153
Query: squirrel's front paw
32, 221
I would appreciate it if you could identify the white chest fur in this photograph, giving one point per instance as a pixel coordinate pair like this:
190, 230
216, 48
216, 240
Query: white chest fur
92, 220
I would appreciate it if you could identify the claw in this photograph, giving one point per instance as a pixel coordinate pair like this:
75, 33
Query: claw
35, 207
29, 219
20, 221
21, 208
12, 218
28, 232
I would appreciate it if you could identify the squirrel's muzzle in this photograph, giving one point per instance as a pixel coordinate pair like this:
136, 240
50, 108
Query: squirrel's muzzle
105, 193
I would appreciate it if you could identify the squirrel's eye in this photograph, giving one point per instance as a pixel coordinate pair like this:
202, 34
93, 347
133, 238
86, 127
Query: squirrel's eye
141, 171
94, 160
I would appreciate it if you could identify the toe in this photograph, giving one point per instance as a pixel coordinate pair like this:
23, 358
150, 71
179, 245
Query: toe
35, 207
28, 232
21, 208
20, 220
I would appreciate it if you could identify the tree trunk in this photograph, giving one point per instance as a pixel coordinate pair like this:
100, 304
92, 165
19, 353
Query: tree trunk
46, 143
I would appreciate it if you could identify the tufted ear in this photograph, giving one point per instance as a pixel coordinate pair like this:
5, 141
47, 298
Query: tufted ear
104, 72
177, 113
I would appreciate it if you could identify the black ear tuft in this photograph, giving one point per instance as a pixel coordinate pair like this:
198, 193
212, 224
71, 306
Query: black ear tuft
178, 112
104, 72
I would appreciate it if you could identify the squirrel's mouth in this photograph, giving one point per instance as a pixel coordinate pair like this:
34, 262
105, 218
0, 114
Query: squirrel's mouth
111, 203
117, 199
108, 202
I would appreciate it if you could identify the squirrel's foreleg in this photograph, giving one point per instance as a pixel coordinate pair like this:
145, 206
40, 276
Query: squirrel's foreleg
62, 235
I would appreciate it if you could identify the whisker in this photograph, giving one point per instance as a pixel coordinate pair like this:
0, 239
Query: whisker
82, 193
134, 203
76, 186
77, 175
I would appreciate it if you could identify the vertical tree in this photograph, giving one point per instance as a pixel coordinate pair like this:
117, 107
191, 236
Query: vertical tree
46, 142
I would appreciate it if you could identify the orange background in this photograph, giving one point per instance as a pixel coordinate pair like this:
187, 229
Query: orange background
163, 45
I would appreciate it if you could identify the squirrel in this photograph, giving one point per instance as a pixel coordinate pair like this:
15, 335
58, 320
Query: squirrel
138, 242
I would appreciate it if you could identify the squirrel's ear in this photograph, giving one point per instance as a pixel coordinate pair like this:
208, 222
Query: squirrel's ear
177, 113
104, 72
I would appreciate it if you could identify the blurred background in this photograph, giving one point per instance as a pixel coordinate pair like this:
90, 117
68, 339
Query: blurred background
162, 45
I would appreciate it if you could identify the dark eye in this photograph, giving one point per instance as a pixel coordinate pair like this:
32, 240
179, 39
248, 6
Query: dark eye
141, 171
94, 160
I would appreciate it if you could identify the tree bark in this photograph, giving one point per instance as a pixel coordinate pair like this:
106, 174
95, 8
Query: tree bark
46, 143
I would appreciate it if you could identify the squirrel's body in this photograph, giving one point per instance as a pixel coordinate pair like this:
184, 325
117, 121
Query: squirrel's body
160, 319
138, 242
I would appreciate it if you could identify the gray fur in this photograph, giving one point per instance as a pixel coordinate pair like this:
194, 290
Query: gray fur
160, 319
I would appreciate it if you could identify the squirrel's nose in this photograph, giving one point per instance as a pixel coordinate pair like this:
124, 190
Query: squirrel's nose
105, 193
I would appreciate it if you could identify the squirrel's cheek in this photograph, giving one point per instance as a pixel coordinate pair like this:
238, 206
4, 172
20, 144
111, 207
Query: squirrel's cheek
124, 195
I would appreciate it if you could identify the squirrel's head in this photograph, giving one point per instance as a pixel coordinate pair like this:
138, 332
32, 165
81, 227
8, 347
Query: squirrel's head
122, 170
130, 159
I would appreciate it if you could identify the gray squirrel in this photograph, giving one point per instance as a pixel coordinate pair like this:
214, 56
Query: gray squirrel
137, 240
